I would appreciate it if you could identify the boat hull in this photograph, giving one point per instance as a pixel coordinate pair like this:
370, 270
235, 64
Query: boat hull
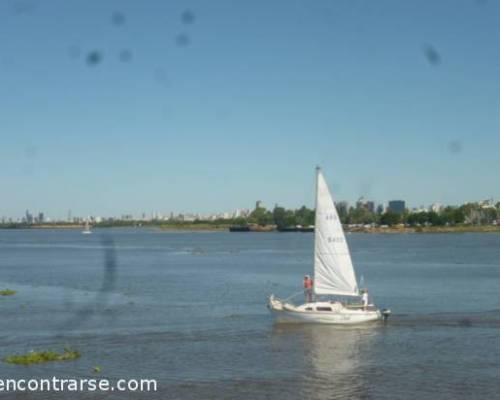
307, 313
324, 318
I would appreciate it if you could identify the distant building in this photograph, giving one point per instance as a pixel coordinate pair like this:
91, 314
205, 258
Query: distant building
397, 206
41, 217
380, 209
259, 204
29, 217
342, 207
366, 204
488, 203
436, 207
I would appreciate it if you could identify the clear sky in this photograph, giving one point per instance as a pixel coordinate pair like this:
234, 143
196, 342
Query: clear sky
111, 107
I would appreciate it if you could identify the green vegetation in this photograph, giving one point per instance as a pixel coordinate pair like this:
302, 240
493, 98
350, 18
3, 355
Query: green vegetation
467, 215
37, 357
7, 292
426, 229
262, 219
280, 217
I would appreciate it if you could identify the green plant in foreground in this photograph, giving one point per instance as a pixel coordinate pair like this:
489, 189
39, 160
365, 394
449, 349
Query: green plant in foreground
37, 357
7, 292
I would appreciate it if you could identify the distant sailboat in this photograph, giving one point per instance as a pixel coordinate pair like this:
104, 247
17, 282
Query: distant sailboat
86, 230
333, 273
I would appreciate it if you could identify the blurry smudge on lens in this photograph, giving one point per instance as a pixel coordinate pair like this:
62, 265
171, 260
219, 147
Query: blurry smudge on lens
94, 57
182, 40
125, 55
22, 7
30, 151
118, 18
74, 51
455, 147
161, 76
365, 186
432, 55
29, 161
188, 17
99, 303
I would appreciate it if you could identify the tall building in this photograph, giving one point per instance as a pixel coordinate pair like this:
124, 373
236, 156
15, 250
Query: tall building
259, 204
366, 204
29, 217
397, 206
342, 207
380, 209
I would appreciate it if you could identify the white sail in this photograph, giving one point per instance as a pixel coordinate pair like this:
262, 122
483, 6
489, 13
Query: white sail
333, 270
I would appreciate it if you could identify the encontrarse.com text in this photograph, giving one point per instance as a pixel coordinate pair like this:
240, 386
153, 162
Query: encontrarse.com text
77, 385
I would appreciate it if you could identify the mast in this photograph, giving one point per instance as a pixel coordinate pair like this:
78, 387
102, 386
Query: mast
318, 171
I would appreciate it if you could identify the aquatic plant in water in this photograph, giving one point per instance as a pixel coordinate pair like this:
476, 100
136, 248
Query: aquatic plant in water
7, 292
37, 357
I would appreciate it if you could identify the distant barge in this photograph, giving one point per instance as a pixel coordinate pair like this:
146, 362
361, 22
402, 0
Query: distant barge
269, 228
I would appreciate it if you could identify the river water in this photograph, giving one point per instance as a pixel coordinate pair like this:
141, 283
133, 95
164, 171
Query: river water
188, 309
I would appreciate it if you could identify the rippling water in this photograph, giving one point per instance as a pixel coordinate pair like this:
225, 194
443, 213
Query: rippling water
188, 309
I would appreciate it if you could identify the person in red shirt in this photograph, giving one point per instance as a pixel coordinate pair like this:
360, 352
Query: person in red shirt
308, 287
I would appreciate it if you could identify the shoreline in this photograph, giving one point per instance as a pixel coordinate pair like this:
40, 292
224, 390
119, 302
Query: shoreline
200, 227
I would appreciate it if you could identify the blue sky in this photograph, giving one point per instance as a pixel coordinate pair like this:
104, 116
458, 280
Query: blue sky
261, 93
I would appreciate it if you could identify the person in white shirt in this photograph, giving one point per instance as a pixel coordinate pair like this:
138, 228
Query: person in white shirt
364, 299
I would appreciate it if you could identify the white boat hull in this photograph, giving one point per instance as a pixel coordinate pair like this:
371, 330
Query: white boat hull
332, 313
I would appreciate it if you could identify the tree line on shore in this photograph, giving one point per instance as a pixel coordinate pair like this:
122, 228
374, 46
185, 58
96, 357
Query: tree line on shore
470, 213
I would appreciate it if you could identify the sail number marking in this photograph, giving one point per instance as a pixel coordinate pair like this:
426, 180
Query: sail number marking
335, 239
330, 217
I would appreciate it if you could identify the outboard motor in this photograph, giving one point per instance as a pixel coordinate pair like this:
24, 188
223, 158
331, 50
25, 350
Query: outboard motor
385, 313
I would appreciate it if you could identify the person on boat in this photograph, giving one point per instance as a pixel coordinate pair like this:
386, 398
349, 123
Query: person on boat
364, 299
308, 287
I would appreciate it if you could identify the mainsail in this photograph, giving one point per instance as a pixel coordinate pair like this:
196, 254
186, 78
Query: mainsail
333, 270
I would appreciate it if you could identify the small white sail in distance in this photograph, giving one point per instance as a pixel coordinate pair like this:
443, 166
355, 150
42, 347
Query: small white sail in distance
333, 269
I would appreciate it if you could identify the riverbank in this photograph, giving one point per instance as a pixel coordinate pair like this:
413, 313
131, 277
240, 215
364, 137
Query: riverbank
437, 229
220, 227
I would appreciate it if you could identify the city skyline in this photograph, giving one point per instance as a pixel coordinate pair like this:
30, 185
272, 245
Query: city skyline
371, 205
156, 111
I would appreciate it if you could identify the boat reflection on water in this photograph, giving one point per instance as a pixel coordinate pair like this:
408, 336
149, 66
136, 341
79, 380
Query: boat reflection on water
332, 358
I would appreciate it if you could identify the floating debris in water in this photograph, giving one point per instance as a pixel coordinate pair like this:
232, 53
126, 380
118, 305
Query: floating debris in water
7, 292
37, 357
97, 369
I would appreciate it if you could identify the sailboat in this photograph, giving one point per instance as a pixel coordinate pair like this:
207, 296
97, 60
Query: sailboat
86, 230
334, 277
